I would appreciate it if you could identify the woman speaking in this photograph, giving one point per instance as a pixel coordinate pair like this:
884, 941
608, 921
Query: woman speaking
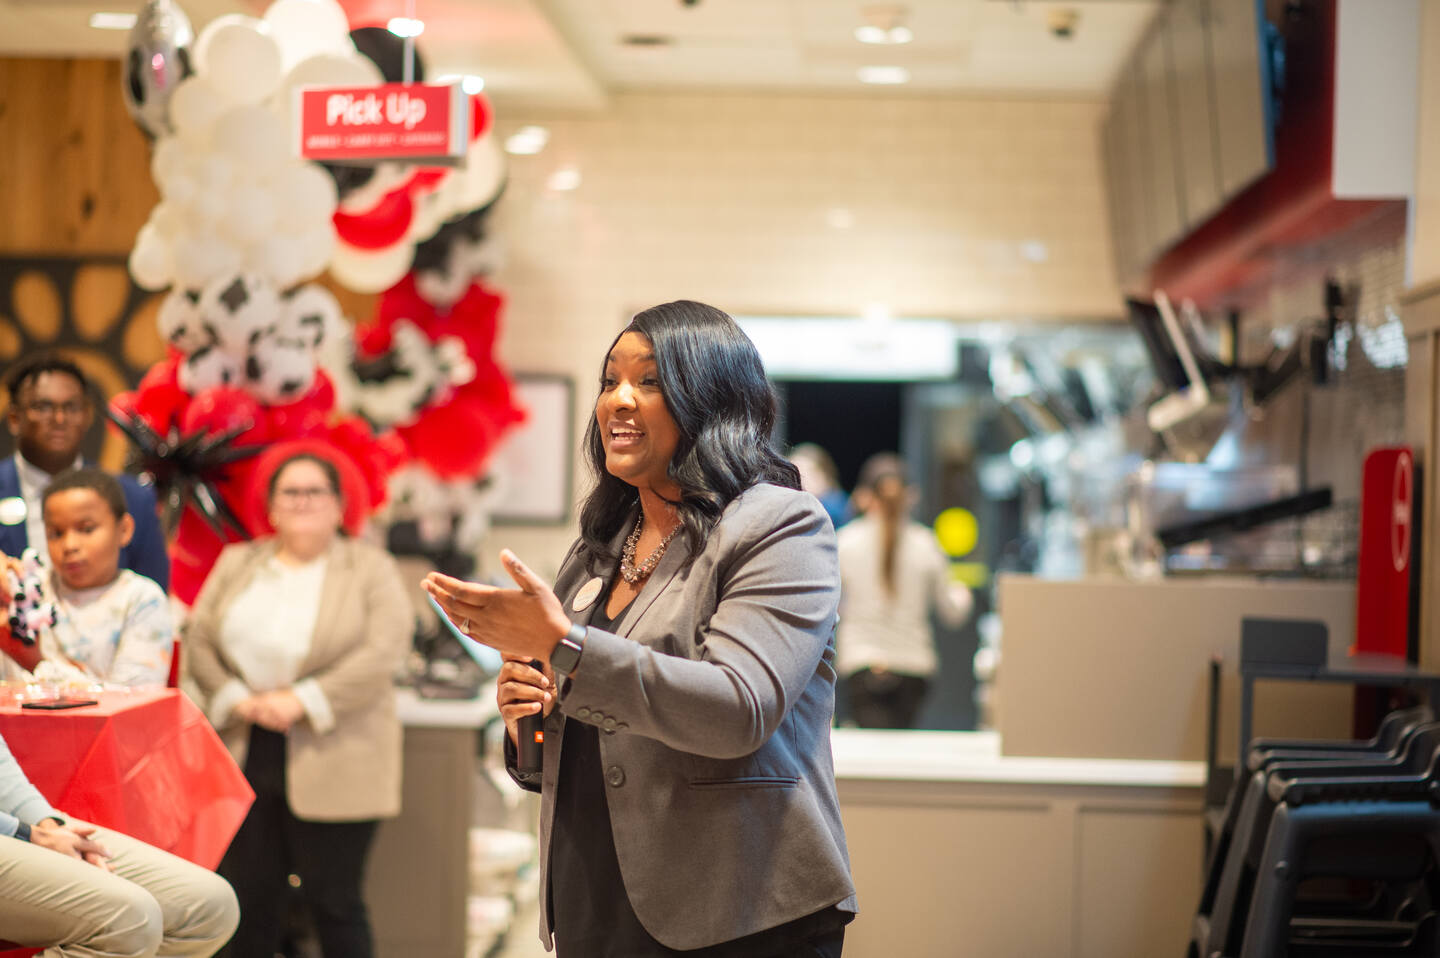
688, 794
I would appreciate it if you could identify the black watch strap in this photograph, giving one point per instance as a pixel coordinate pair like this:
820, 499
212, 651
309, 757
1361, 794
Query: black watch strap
22, 831
566, 656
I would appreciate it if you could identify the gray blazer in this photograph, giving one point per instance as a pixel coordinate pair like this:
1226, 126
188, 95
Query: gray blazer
716, 694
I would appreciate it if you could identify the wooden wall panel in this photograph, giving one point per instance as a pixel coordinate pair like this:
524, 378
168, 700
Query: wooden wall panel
74, 168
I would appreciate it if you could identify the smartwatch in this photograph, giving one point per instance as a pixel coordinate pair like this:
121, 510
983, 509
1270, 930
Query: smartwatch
565, 658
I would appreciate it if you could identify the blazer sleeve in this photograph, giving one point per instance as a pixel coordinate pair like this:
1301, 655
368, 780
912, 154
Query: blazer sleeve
146, 552
776, 591
355, 679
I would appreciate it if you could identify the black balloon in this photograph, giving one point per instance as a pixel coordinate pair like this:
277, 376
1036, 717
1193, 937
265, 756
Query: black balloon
387, 51
184, 469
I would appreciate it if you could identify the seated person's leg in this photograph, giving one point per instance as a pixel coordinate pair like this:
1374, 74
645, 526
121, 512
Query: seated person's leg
51, 899
198, 908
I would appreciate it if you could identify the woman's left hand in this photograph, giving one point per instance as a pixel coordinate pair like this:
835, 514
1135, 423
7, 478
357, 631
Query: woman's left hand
527, 621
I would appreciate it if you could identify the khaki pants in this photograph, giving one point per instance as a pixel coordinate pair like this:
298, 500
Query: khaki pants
153, 904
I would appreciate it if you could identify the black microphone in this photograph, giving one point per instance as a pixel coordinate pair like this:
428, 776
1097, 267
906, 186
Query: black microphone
530, 730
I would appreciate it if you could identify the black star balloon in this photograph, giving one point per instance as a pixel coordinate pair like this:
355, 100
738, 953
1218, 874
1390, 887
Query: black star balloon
185, 467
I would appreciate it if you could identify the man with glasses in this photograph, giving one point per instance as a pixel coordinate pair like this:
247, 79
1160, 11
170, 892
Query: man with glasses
50, 411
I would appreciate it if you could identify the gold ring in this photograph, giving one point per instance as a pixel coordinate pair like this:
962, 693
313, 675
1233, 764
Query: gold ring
465, 625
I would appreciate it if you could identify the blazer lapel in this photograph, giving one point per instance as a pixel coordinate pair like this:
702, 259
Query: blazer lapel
607, 582
669, 567
338, 573
12, 537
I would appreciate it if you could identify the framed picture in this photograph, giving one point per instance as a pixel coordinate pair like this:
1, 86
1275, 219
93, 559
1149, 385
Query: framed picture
535, 465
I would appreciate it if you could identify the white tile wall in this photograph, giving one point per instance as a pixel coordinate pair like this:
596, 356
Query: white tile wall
728, 199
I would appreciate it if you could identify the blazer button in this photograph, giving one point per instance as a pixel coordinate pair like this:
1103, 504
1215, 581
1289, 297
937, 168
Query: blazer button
621, 726
609, 723
582, 712
615, 776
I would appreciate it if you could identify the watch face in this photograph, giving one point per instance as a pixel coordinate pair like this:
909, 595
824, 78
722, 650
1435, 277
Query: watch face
566, 656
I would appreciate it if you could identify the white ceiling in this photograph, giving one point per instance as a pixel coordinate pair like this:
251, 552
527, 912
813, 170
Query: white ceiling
569, 54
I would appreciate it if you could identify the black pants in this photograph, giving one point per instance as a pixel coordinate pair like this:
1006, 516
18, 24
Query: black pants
885, 699
272, 844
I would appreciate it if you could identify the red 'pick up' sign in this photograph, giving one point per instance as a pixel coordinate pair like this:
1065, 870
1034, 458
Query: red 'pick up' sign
427, 122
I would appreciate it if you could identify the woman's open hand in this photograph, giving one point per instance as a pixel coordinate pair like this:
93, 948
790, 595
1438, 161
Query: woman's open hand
521, 690
526, 623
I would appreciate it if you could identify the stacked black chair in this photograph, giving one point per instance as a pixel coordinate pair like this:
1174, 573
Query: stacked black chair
1366, 822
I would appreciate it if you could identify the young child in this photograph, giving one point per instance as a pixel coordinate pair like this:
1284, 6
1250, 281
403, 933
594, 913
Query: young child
111, 625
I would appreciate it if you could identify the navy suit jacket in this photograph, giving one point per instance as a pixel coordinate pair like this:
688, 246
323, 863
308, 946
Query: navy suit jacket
146, 552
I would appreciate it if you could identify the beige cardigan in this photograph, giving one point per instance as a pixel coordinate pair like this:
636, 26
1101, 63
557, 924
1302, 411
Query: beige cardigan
363, 630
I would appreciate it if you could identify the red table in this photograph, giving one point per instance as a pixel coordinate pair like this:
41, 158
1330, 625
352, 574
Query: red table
144, 763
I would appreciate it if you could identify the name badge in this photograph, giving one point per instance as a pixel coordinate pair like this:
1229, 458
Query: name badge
12, 511
588, 593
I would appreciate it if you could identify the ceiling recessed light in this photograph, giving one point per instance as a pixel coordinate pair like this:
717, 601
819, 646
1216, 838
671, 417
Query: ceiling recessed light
564, 179
884, 75
405, 26
870, 33
469, 82
527, 141
112, 21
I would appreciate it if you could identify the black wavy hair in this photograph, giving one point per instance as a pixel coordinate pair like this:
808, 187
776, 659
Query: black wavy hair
104, 485
715, 389
18, 376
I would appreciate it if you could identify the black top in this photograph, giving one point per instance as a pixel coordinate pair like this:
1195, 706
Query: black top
590, 910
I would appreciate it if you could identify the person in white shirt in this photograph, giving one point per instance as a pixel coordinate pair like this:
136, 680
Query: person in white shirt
112, 626
293, 641
892, 575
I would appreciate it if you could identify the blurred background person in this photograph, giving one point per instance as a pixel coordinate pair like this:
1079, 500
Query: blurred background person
820, 478
893, 575
50, 410
111, 625
294, 640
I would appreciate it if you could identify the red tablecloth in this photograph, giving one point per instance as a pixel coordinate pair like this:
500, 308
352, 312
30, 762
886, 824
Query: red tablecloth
144, 763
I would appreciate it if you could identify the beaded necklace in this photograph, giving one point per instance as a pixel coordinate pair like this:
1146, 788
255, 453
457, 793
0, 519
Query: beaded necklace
633, 573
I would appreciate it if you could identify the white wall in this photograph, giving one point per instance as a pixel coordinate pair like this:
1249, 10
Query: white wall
728, 200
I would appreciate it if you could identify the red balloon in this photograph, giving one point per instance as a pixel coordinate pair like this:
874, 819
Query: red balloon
159, 400
480, 116
223, 408
378, 228
425, 179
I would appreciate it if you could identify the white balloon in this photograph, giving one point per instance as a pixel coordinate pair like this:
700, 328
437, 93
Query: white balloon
202, 257
168, 158
194, 107
370, 271
326, 69
214, 172
168, 219
315, 249
237, 55
249, 214
306, 196
279, 259
180, 189
151, 263
306, 28
484, 174
254, 137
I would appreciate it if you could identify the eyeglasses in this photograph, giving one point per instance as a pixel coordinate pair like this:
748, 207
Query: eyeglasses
295, 496
47, 409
